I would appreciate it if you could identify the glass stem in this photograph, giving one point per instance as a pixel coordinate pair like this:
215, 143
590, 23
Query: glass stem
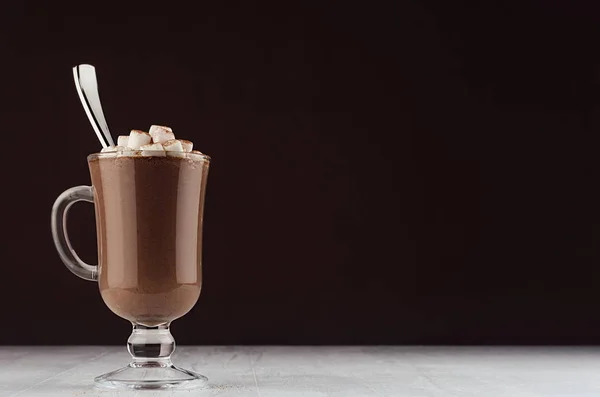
151, 346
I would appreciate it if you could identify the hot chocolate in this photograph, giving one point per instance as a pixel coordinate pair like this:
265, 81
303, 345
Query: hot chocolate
148, 192
149, 225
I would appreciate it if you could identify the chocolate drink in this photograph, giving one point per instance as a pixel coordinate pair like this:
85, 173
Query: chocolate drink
149, 225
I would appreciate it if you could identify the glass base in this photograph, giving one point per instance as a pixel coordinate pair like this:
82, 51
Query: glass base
151, 376
151, 367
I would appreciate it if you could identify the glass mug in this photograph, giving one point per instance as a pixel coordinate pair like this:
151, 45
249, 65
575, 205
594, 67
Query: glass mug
149, 213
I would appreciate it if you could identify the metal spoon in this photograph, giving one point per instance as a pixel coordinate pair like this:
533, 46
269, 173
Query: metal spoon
87, 88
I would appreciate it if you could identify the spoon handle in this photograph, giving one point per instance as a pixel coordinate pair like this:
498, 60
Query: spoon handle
87, 88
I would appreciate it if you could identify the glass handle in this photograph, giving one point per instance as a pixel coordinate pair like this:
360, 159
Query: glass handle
60, 236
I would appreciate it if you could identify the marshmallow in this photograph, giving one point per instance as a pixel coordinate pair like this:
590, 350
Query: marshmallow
192, 155
153, 149
138, 138
161, 134
187, 145
160, 127
127, 152
174, 148
113, 149
123, 140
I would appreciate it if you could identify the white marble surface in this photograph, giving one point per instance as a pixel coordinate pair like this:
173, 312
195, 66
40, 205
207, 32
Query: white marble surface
319, 371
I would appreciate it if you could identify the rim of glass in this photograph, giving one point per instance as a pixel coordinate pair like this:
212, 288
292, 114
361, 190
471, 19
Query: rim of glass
110, 154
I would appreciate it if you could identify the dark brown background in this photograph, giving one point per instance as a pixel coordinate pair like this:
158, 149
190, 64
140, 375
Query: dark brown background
416, 173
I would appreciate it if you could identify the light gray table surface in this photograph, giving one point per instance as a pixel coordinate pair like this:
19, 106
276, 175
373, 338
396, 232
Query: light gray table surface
319, 371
